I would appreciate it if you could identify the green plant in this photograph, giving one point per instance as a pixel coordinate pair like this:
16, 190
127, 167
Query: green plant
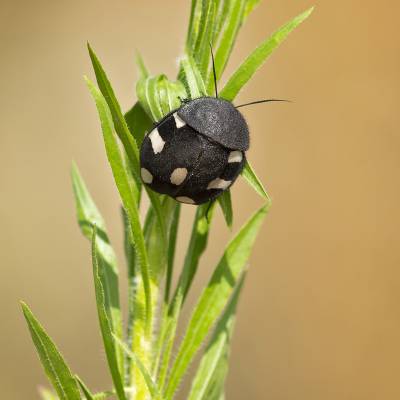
140, 356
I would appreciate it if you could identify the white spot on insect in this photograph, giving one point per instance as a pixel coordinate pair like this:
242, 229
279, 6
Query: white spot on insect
184, 199
219, 184
178, 176
157, 141
179, 121
235, 156
147, 177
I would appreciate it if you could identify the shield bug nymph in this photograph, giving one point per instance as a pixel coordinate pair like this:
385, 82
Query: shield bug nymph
197, 151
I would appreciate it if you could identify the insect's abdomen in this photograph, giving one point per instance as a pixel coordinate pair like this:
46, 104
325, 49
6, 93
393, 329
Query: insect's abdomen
178, 161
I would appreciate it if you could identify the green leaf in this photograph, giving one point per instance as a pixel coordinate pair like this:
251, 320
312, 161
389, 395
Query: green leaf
130, 146
170, 94
89, 215
191, 77
159, 96
143, 71
201, 51
194, 25
47, 394
213, 367
54, 364
257, 58
125, 191
171, 325
227, 41
148, 94
215, 297
173, 233
252, 179
250, 6
197, 246
104, 322
221, 19
146, 375
85, 389
139, 123
119, 122
225, 202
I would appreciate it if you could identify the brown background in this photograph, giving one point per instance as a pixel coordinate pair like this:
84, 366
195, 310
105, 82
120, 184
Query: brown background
319, 319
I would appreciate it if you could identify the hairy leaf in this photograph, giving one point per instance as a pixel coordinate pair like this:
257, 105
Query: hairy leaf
88, 216
146, 375
257, 58
125, 191
53, 363
215, 297
104, 322
210, 375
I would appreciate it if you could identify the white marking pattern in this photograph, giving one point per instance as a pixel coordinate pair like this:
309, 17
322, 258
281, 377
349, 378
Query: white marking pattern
219, 184
157, 142
178, 121
185, 199
147, 177
178, 176
235, 156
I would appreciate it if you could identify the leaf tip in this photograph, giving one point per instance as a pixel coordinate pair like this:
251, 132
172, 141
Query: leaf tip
307, 13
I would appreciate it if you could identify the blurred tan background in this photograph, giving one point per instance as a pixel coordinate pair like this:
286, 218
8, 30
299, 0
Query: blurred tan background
320, 315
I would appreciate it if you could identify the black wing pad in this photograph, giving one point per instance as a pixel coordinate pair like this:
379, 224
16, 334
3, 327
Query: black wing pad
217, 119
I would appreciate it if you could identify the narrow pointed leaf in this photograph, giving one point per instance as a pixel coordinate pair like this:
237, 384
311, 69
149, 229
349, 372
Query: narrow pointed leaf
221, 19
139, 123
173, 233
250, 6
257, 58
88, 216
104, 322
201, 52
228, 39
171, 324
120, 124
125, 190
215, 297
252, 179
85, 390
46, 394
143, 71
197, 245
146, 375
132, 269
225, 202
128, 141
53, 363
214, 364
194, 25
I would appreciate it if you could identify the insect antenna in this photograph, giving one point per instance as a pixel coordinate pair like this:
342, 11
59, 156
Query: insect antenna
261, 101
214, 73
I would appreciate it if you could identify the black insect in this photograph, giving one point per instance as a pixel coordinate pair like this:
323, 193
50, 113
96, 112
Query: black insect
197, 151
